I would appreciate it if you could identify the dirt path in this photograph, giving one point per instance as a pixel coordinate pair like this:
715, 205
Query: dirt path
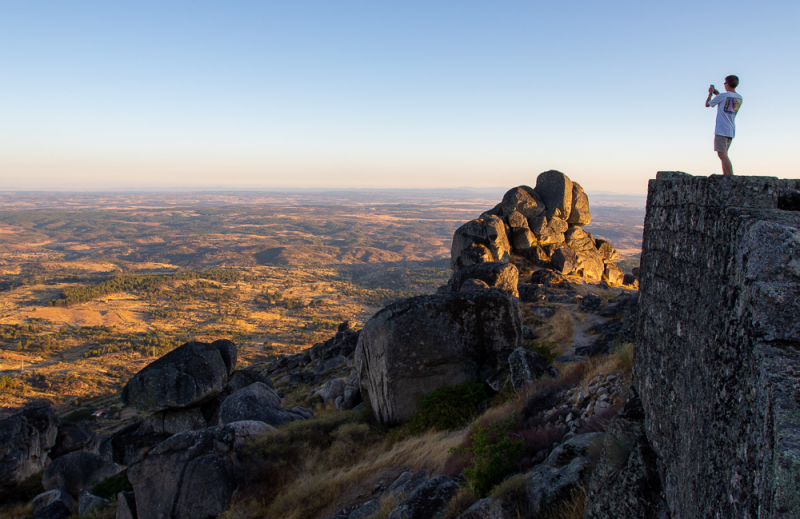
582, 336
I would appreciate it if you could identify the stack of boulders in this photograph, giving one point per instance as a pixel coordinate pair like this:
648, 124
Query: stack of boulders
543, 225
196, 386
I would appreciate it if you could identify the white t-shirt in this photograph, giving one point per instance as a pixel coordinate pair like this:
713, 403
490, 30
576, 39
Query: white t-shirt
728, 104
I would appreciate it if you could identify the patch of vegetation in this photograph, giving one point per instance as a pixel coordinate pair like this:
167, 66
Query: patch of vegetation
448, 408
110, 487
79, 415
547, 350
492, 454
149, 284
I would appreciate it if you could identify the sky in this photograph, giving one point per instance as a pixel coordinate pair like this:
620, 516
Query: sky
387, 94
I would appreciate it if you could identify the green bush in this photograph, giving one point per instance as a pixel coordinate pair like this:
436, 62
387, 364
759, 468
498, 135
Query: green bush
110, 487
448, 408
491, 454
545, 349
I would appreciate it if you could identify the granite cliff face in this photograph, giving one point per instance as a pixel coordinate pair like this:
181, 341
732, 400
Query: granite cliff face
717, 363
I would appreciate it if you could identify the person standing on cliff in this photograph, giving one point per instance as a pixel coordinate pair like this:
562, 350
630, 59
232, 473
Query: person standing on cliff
728, 105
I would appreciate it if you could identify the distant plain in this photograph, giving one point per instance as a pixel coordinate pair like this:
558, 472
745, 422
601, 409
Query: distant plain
273, 271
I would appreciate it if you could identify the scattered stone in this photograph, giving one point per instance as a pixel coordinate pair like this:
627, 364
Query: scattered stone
87, 501
428, 501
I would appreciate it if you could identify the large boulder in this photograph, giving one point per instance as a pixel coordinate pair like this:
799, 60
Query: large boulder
257, 402
77, 471
414, 346
564, 260
607, 251
480, 240
555, 190
45, 499
72, 437
613, 274
522, 200
579, 214
192, 474
189, 375
24, 441
496, 274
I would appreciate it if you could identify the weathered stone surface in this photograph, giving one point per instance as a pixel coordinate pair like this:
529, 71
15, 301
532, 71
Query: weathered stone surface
522, 239
555, 190
717, 358
472, 285
189, 475
625, 482
125, 445
428, 501
580, 214
87, 501
126, 506
522, 200
175, 421
606, 251
189, 375
517, 221
24, 440
72, 437
256, 402
576, 447
557, 225
51, 496
77, 471
613, 274
526, 367
564, 260
414, 346
496, 274
480, 240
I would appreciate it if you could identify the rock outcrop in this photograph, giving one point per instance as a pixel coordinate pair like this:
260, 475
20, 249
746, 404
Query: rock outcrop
77, 471
25, 439
416, 345
717, 358
541, 225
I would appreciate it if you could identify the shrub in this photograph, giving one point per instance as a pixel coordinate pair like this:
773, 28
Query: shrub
493, 454
625, 357
110, 487
78, 415
448, 408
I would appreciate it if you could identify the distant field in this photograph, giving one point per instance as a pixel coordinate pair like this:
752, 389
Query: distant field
300, 264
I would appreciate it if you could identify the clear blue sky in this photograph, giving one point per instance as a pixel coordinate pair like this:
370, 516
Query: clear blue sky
387, 93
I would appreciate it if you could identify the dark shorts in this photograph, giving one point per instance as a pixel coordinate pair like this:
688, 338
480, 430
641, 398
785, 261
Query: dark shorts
722, 143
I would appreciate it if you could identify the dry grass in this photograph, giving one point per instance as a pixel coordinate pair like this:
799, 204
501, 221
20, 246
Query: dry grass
15, 511
326, 480
620, 361
574, 507
560, 329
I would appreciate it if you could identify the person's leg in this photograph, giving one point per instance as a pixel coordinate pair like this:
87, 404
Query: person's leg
727, 167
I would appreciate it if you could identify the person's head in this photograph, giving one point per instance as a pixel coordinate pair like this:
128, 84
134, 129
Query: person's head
731, 82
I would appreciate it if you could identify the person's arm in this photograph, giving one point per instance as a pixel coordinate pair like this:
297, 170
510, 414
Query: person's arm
710, 93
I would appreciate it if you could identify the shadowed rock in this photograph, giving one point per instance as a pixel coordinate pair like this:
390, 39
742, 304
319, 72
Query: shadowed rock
522, 200
189, 375
555, 190
72, 437
256, 402
428, 501
478, 241
24, 441
78, 471
414, 346
496, 274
